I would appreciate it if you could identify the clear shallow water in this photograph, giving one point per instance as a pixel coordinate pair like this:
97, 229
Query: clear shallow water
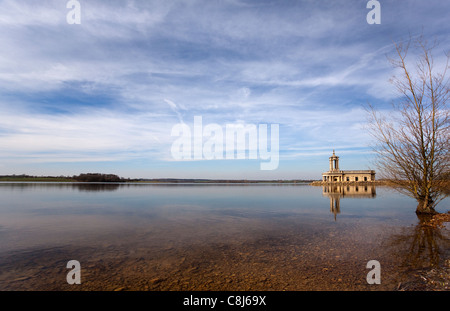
207, 237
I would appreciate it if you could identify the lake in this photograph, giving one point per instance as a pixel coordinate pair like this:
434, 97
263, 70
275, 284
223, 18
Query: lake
214, 237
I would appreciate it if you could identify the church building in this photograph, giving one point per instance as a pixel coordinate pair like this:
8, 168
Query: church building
336, 175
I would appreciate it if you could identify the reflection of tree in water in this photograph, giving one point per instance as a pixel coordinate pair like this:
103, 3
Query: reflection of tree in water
62, 185
90, 187
424, 245
424, 253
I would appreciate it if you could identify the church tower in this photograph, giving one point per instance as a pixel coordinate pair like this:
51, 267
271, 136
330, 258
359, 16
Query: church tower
334, 163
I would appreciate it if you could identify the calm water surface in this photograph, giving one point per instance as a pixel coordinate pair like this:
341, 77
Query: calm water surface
211, 237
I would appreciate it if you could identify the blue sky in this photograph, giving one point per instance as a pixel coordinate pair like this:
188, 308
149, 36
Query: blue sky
103, 96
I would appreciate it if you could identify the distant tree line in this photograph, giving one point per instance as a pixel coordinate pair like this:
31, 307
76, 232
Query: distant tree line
88, 177
97, 177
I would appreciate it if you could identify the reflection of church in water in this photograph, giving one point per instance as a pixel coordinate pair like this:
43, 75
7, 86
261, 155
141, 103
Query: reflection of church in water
353, 191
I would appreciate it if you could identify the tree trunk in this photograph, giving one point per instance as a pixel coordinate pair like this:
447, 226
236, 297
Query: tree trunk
425, 206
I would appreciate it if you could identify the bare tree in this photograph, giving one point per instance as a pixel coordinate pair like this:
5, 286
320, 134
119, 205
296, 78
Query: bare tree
412, 141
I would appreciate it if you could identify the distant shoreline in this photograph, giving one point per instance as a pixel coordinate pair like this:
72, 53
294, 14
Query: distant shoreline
27, 178
110, 178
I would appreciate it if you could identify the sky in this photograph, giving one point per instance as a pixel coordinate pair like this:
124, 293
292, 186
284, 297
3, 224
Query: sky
104, 95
